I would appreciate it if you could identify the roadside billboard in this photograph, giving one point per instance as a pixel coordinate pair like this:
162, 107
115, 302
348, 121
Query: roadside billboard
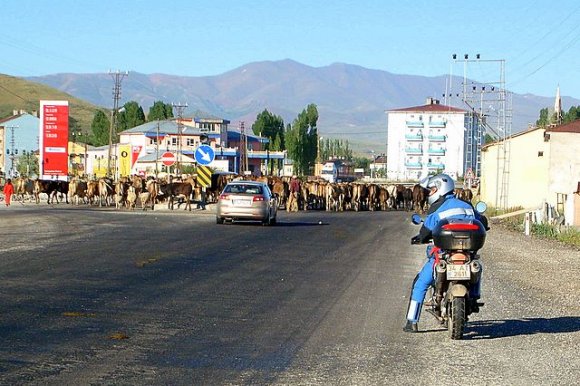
53, 140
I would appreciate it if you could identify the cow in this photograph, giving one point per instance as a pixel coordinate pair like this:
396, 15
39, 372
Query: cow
52, 188
373, 198
464, 194
131, 197
399, 196
105, 191
120, 194
149, 194
23, 189
408, 199
281, 189
77, 190
174, 190
360, 196
333, 197
384, 202
419, 198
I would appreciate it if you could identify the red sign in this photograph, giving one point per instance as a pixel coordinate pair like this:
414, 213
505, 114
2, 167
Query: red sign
168, 158
54, 139
135, 154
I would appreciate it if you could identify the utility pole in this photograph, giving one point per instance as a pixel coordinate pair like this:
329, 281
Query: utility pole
243, 149
117, 78
179, 108
12, 149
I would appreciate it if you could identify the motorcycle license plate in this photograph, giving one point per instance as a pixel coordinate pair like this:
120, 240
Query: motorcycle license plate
458, 272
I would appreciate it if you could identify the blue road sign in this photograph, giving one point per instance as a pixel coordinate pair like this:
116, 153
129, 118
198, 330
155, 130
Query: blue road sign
204, 154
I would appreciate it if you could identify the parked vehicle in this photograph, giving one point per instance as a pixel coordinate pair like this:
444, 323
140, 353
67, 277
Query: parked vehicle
247, 200
457, 269
329, 172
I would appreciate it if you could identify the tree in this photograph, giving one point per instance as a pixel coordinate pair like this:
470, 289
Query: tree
131, 116
488, 139
270, 126
160, 111
100, 129
335, 148
572, 114
27, 164
302, 140
544, 119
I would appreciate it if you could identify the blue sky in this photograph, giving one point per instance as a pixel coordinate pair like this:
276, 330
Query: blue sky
538, 39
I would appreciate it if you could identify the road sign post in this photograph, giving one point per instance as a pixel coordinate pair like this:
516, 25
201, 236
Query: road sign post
168, 158
204, 155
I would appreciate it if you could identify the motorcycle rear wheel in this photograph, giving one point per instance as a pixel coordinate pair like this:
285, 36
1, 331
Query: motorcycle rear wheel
457, 319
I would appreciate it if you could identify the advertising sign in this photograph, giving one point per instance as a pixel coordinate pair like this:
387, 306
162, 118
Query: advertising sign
136, 150
125, 160
53, 140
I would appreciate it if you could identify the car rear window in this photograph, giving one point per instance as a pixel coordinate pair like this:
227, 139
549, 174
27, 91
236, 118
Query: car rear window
243, 189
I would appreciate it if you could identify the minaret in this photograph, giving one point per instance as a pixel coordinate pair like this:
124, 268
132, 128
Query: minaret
558, 107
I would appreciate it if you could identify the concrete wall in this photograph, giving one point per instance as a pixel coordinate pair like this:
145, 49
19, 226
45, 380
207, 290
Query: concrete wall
528, 175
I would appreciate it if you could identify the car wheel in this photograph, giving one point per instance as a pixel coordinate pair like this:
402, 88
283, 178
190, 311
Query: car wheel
219, 220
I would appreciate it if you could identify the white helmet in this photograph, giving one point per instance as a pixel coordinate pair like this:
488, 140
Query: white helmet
442, 182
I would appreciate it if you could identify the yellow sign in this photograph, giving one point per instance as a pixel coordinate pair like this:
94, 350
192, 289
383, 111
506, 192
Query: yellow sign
124, 160
204, 176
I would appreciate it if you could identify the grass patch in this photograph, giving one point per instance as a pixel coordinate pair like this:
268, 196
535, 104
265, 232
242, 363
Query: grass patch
564, 234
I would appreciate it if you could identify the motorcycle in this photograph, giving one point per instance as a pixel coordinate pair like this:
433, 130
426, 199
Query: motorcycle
457, 269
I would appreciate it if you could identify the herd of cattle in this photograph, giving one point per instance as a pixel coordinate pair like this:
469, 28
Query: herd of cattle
147, 192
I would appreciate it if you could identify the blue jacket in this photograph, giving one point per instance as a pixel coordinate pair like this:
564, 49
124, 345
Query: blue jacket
447, 206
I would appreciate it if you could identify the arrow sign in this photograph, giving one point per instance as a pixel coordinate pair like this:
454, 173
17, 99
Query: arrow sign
204, 155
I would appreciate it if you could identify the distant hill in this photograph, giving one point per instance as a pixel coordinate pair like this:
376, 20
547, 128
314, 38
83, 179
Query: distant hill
21, 94
351, 100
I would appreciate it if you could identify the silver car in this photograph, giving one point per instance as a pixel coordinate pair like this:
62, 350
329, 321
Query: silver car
247, 200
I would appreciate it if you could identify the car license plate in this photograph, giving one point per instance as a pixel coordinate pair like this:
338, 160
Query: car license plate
242, 203
458, 272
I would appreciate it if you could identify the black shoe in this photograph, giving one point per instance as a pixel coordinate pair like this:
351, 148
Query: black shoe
410, 327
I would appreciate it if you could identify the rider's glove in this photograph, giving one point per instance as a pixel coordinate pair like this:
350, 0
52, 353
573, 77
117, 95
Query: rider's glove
416, 240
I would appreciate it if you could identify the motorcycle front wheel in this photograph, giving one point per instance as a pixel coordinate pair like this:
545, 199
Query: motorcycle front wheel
457, 318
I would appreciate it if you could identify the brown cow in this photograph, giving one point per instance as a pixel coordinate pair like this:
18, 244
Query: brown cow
174, 190
419, 198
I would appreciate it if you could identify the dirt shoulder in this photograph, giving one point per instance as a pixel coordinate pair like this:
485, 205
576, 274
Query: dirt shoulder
534, 264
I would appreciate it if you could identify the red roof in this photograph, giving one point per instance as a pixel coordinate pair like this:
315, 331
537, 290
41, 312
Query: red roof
572, 127
432, 108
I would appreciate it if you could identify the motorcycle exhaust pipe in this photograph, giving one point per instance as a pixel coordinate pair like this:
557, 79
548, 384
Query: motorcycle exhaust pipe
441, 270
476, 269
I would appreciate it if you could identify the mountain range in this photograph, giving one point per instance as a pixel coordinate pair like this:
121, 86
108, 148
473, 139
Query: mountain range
352, 100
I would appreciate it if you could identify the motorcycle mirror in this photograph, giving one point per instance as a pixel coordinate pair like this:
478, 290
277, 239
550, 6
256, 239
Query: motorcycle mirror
481, 207
416, 219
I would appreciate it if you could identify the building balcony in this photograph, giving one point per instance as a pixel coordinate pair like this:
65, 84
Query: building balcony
414, 137
413, 150
437, 138
437, 124
432, 165
414, 123
413, 165
436, 151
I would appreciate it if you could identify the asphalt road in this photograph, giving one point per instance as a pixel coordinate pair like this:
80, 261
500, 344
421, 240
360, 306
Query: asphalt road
94, 296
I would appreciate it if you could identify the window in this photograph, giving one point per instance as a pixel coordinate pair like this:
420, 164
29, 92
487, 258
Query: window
173, 141
540, 154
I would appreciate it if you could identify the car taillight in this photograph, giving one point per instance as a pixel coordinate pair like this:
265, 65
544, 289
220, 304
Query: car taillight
459, 258
224, 196
458, 226
258, 198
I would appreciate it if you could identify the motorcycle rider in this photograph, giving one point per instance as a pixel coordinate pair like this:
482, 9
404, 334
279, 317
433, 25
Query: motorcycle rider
442, 204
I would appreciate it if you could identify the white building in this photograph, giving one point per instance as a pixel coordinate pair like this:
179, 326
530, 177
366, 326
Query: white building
426, 139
